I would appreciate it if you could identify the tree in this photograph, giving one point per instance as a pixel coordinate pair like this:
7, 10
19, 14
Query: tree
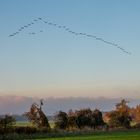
61, 120
113, 119
7, 121
136, 113
83, 118
120, 116
89, 118
37, 116
122, 106
72, 120
97, 118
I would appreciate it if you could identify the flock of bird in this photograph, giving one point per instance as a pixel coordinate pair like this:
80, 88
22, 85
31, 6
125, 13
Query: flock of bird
66, 29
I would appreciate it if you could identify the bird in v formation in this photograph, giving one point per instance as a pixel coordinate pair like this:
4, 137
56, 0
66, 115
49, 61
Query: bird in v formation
66, 29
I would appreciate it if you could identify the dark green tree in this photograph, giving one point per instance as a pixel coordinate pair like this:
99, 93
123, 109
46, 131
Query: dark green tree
83, 118
61, 120
97, 119
7, 121
72, 120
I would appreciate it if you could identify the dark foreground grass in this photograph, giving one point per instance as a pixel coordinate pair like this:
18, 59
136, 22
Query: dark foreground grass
135, 135
117, 135
110, 135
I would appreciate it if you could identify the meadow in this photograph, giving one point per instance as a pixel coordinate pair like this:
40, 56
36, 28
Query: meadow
23, 123
117, 135
133, 134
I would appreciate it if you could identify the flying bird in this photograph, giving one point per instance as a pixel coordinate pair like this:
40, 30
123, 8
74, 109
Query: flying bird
70, 31
67, 29
32, 33
50, 23
10, 35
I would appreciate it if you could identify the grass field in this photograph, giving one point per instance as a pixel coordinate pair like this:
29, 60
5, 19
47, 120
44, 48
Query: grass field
20, 123
128, 135
81, 135
27, 123
110, 135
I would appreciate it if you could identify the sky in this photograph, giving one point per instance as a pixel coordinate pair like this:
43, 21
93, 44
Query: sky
55, 63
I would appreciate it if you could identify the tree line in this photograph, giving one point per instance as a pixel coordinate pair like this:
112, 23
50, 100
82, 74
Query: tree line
121, 117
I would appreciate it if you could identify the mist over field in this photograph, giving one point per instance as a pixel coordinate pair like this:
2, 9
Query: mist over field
19, 104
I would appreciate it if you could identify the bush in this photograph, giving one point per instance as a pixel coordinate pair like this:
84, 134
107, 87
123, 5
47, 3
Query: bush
25, 130
61, 120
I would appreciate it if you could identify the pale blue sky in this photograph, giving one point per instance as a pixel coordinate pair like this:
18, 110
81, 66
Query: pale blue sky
57, 63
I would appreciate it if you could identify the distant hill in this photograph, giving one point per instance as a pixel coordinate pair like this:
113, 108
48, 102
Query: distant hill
19, 105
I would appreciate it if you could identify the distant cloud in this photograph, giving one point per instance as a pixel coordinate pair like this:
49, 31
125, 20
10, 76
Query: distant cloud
14, 104
19, 105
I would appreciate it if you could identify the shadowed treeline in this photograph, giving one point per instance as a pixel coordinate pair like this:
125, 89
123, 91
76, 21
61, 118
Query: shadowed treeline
122, 117
67, 29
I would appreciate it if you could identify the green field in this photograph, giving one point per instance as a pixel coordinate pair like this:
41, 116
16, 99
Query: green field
27, 123
128, 135
21, 123
79, 135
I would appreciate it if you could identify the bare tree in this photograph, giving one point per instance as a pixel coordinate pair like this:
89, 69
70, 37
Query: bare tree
37, 116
